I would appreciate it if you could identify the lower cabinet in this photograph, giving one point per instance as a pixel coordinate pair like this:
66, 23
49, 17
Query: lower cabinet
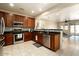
28, 36
39, 37
55, 41
8, 39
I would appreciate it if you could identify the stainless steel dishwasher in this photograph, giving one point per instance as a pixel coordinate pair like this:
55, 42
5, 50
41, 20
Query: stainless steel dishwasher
46, 40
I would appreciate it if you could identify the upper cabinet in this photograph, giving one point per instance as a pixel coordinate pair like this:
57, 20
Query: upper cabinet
9, 20
25, 22
28, 22
18, 18
1, 14
31, 22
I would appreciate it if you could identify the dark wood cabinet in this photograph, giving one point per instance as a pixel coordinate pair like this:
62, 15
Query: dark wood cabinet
9, 20
28, 22
25, 25
3, 14
8, 39
28, 36
18, 18
55, 41
31, 22
39, 37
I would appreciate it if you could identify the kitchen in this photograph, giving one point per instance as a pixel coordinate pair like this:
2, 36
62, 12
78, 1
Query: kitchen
22, 31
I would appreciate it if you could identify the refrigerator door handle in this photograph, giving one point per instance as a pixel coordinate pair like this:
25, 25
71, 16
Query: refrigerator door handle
2, 26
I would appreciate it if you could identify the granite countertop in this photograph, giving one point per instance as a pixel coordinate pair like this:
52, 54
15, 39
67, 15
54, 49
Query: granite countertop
10, 29
49, 30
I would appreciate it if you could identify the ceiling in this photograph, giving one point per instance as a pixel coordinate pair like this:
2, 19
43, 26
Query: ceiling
28, 8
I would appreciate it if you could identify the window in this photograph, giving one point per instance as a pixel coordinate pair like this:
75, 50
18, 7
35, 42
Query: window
72, 29
65, 27
77, 28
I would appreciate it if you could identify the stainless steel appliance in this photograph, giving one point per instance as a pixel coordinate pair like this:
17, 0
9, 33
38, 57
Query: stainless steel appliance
1, 44
18, 35
46, 40
2, 28
17, 24
18, 38
17, 32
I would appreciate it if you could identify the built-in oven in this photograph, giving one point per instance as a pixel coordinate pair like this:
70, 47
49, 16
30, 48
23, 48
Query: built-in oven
18, 38
18, 35
17, 32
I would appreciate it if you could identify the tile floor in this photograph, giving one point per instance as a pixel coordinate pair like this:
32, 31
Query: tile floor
69, 48
26, 49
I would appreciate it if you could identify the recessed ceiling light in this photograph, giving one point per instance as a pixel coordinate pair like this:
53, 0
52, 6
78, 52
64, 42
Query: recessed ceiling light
32, 11
11, 4
40, 9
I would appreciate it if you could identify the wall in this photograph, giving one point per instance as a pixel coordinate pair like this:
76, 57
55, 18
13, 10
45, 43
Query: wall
69, 13
46, 22
50, 21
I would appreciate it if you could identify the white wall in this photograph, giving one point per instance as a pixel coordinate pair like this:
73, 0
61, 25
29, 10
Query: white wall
70, 13
49, 21
45, 22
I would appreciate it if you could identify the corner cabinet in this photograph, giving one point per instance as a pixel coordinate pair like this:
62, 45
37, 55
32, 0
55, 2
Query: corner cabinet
8, 38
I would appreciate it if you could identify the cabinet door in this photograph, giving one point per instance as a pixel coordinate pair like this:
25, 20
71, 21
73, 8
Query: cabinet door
9, 20
18, 18
1, 14
28, 36
8, 39
57, 41
51, 41
31, 22
25, 22
39, 38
